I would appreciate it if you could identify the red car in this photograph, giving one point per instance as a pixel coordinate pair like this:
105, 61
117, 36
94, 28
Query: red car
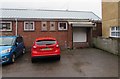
45, 47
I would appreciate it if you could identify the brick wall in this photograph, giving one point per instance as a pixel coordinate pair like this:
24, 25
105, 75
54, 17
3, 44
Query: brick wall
110, 14
98, 30
64, 37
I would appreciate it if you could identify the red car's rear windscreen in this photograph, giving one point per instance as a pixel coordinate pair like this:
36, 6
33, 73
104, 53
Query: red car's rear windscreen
45, 42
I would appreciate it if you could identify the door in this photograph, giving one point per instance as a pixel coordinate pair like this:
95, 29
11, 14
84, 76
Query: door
79, 35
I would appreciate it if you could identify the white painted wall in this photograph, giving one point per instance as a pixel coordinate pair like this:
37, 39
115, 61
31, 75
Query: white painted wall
79, 35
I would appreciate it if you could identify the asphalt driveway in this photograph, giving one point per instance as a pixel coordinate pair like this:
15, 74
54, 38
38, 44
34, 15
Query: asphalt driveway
88, 62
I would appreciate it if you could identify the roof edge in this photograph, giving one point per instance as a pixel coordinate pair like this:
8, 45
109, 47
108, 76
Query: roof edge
44, 10
96, 15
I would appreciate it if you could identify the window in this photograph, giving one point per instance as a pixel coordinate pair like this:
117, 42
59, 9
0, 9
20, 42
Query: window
28, 26
45, 42
6, 41
5, 26
52, 26
44, 26
115, 32
62, 26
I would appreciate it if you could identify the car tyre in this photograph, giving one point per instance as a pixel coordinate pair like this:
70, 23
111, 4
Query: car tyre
13, 58
24, 51
32, 60
58, 58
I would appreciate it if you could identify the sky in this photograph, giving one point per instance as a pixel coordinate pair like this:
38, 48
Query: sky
74, 5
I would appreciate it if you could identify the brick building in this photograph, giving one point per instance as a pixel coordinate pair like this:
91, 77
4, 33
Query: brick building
72, 29
111, 18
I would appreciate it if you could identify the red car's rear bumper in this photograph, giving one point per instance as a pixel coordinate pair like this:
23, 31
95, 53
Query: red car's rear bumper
43, 54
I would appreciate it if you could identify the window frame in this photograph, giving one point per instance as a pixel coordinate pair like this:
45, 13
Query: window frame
62, 29
29, 22
115, 30
7, 29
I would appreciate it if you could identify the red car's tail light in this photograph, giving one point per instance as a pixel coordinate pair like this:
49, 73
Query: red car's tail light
57, 45
34, 47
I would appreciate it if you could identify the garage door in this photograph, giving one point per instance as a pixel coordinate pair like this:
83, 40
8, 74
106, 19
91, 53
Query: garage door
79, 35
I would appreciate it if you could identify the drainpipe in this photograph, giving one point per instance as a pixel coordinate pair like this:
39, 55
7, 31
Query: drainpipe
16, 32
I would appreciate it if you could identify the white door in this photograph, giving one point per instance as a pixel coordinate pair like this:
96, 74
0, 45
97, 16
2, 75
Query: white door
79, 35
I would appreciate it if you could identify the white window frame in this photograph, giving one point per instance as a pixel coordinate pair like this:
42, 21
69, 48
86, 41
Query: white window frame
114, 31
53, 26
60, 28
6, 29
43, 22
29, 29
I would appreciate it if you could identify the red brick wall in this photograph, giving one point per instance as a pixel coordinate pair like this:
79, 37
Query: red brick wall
63, 37
98, 30
70, 37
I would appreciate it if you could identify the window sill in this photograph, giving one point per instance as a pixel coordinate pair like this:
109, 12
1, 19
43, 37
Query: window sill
44, 30
6, 31
29, 30
114, 37
52, 30
62, 30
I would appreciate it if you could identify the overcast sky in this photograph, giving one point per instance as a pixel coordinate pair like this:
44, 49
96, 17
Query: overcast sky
76, 5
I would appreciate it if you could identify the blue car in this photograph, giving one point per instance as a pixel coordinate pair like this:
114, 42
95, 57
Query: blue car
10, 48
